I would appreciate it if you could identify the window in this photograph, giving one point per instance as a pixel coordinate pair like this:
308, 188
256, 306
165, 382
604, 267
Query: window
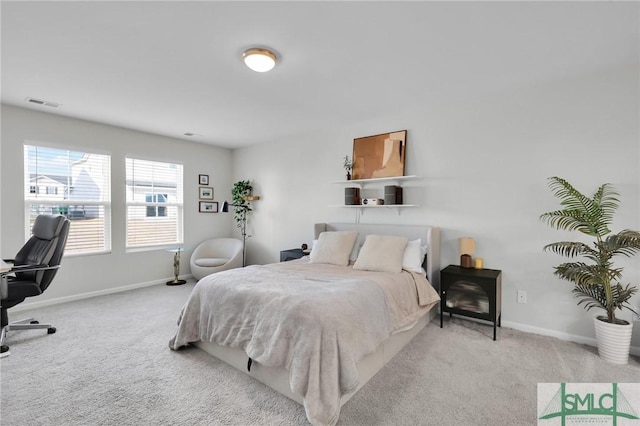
154, 203
49, 176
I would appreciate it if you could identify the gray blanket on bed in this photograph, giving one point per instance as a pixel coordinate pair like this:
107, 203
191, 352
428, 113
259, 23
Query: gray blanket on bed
316, 326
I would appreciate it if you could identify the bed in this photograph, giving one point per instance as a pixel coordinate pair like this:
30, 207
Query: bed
318, 328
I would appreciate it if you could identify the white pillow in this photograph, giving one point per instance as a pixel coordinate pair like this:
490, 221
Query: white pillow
414, 256
356, 249
333, 247
354, 253
381, 253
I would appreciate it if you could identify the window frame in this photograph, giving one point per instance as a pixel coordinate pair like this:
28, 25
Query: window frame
157, 205
40, 198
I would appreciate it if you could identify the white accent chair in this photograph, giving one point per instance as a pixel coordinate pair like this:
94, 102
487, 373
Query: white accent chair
215, 255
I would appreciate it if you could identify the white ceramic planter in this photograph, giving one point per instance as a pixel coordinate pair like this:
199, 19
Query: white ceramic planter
614, 341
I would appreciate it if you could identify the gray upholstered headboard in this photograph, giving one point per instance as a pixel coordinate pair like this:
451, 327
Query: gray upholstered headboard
429, 235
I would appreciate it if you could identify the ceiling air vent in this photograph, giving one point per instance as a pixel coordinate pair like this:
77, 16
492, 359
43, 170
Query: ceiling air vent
41, 102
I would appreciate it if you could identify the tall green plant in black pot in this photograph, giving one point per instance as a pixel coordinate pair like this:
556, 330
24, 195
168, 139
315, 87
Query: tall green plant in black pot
597, 281
239, 193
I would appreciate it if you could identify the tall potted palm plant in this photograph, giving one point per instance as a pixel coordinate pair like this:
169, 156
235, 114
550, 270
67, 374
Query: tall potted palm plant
597, 282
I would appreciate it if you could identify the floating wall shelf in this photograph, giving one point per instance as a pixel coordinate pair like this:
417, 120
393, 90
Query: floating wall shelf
361, 183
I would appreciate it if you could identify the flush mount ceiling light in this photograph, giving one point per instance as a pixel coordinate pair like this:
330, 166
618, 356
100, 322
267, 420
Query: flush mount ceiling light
259, 59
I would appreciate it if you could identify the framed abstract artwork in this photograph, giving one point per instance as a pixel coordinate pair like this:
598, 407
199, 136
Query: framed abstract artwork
379, 156
203, 179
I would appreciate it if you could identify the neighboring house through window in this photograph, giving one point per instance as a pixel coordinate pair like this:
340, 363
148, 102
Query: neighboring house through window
50, 173
155, 211
154, 203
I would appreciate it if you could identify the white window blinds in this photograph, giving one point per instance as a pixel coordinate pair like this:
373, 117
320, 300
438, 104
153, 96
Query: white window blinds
154, 203
75, 184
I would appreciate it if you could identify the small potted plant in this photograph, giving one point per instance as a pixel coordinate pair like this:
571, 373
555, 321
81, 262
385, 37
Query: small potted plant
348, 166
597, 282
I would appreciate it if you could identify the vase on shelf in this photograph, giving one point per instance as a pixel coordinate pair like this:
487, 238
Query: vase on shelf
348, 175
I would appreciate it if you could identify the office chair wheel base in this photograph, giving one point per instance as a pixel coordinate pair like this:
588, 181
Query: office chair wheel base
51, 330
34, 322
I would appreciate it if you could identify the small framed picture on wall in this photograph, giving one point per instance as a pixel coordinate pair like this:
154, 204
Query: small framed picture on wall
208, 207
203, 179
206, 193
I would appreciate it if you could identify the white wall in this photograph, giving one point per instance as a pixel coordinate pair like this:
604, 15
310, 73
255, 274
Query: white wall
101, 273
484, 168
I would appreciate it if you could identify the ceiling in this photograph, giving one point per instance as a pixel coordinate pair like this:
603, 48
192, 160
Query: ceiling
175, 67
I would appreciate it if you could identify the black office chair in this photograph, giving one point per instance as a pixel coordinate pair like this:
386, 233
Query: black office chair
33, 269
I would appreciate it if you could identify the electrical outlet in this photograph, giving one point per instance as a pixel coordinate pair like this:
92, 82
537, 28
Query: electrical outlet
522, 296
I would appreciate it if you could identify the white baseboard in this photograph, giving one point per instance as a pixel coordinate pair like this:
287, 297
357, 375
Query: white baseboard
58, 300
634, 350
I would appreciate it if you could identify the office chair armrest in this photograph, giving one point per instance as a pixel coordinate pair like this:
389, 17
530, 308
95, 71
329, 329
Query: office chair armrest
4, 288
4, 282
32, 268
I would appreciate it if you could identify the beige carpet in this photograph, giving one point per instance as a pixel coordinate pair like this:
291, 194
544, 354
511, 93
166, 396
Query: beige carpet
109, 364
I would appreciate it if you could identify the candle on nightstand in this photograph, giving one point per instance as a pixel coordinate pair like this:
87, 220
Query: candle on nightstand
466, 247
478, 263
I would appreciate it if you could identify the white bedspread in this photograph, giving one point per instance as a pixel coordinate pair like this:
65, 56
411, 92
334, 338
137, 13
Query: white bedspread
315, 320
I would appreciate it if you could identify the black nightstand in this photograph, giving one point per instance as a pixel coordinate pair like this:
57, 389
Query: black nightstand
291, 254
474, 293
